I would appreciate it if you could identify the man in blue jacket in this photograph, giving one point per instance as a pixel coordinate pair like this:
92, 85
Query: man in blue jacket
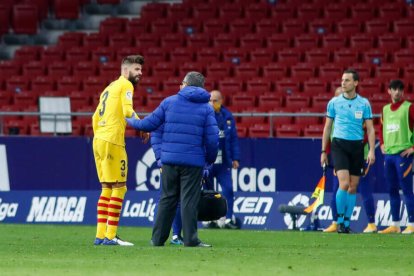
228, 155
189, 142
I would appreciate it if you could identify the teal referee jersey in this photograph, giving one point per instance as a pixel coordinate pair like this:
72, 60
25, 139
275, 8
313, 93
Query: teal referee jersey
348, 116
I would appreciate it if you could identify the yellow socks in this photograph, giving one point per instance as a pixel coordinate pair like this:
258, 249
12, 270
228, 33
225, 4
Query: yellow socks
114, 211
103, 212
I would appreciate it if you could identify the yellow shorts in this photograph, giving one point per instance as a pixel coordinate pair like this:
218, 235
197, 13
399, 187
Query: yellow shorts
111, 161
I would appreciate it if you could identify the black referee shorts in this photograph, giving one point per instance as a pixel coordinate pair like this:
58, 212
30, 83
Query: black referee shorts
348, 155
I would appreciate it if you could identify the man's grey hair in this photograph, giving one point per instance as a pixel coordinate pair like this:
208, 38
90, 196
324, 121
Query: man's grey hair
194, 79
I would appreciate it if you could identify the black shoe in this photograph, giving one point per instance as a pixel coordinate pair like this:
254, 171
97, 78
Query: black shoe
349, 230
212, 225
342, 229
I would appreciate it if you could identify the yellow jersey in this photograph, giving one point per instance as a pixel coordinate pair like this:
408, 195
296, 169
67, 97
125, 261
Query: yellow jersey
115, 104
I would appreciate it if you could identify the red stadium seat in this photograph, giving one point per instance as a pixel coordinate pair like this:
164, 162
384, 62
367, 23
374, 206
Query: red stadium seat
208, 55
198, 41
15, 127
181, 55
389, 43
293, 26
4, 19
103, 54
66, 9
317, 57
243, 100
345, 57
5, 98
25, 19
270, 101
335, 12
235, 55
144, 41
153, 101
150, 84
95, 40
214, 26
240, 26
287, 86
95, 85
302, 71
387, 72
297, 101
255, 11
225, 40
308, 12
230, 11
155, 55
109, 70
364, 70
260, 131
348, 27
246, 71
321, 26
153, 11
25, 98
178, 11
282, 12
59, 69
229, 86
288, 131
362, 42
275, 71
162, 26
330, 72
70, 39
267, 26
33, 68
28, 53
85, 68
136, 26
217, 71
288, 57
314, 87
279, 42
403, 57
204, 11
391, 11
41, 84
9, 68
113, 25
170, 41
376, 27
75, 54
372, 55
17, 84
52, 54
164, 69
320, 101
370, 87
251, 41
362, 11
333, 42
171, 86
258, 86
191, 66
306, 41
313, 130
404, 27
67, 84
189, 26
262, 56
242, 131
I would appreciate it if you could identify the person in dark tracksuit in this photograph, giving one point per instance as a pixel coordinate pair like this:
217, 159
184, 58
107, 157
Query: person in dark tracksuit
189, 143
228, 156
156, 140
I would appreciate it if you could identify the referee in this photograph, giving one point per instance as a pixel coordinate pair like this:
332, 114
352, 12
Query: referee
347, 113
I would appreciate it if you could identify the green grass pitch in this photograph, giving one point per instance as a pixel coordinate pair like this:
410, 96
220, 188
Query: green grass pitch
68, 250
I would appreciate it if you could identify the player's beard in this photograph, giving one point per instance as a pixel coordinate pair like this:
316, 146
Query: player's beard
132, 79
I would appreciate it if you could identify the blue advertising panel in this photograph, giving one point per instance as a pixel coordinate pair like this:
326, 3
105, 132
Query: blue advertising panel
255, 210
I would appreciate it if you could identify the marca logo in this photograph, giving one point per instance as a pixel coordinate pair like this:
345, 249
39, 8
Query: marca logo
383, 215
57, 209
141, 210
147, 173
249, 180
7, 210
253, 205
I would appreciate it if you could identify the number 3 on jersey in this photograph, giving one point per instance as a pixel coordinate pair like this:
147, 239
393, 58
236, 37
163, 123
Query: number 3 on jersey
104, 98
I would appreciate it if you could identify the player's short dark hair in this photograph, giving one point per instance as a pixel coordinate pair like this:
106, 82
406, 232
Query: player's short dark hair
396, 85
354, 73
132, 59
194, 79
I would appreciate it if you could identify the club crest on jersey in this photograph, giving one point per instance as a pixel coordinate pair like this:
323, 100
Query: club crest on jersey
129, 95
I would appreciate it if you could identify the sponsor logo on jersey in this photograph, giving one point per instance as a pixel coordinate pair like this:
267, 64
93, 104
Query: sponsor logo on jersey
128, 95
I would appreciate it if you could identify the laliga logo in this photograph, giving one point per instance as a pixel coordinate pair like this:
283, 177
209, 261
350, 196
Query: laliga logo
147, 170
297, 200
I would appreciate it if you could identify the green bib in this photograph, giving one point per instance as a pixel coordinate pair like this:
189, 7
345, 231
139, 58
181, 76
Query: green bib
395, 128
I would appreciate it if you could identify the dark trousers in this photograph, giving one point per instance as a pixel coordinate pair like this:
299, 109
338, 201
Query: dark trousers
179, 183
